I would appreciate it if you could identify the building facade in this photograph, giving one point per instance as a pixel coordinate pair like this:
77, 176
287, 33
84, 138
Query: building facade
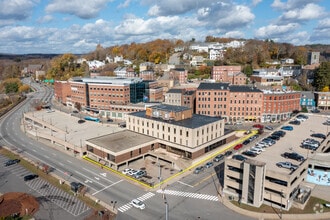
279, 105
224, 73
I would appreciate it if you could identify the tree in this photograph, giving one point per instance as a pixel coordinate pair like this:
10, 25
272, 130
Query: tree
322, 76
65, 67
11, 85
24, 88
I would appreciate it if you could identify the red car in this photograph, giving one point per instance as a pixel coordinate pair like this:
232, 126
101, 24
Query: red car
238, 146
258, 126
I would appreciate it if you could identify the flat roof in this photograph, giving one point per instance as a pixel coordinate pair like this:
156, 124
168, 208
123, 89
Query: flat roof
195, 122
121, 141
75, 133
290, 142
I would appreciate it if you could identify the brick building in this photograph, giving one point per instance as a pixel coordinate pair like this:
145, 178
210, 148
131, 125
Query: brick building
279, 105
179, 74
224, 73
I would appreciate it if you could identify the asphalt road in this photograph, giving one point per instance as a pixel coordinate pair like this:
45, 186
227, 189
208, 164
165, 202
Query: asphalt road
193, 197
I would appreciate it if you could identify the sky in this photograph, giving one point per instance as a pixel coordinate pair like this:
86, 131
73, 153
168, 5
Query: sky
77, 26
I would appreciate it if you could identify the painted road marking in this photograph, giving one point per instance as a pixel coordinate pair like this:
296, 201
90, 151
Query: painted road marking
185, 184
142, 198
189, 195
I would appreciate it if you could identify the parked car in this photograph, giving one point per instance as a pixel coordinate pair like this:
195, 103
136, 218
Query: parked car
275, 137
279, 133
255, 150
294, 156
287, 128
30, 177
249, 153
199, 170
294, 122
80, 121
302, 116
208, 164
11, 162
218, 158
246, 142
258, 126
126, 171
308, 146
238, 146
228, 153
269, 128
109, 120
140, 174
138, 204
239, 157
318, 135
258, 148
315, 111
287, 165
300, 119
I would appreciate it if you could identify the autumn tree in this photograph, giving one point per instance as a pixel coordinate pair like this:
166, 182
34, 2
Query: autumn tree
11, 85
65, 67
24, 88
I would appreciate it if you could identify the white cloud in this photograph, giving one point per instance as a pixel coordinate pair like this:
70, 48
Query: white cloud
272, 31
291, 4
234, 34
16, 10
176, 7
84, 44
85, 9
45, 19
308, 12
255, 2
125, 4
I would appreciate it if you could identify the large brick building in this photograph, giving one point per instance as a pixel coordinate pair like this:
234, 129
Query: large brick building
238, 103
224, 73
108, 94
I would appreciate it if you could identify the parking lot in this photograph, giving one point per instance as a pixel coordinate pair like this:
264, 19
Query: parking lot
290, 142
54, 203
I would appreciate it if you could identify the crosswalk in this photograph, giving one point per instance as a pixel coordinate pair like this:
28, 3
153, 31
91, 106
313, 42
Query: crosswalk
189, 195
142, 198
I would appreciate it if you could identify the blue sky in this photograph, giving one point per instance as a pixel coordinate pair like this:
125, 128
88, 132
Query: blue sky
77, 26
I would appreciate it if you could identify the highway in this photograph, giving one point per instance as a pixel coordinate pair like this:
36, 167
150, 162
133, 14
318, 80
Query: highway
192, 197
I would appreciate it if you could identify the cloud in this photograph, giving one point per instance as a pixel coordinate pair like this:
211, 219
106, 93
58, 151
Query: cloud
308, 12
125, 4
16, 10
275, 31
322, 32
84, 10
226, 16
45, 19
255, 2
175, 7
291, 4
234, 34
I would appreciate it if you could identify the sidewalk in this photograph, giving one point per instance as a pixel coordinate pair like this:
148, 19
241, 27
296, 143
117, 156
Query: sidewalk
263, 216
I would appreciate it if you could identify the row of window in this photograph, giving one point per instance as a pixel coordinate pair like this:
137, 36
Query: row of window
108, 89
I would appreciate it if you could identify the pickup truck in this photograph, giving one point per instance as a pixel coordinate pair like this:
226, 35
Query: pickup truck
287, 165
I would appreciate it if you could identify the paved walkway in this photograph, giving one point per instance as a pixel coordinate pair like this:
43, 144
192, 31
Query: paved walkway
271, 216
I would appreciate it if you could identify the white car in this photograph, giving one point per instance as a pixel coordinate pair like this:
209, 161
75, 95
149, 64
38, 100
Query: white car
257, 151
126, 171
258, 148
138, 204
